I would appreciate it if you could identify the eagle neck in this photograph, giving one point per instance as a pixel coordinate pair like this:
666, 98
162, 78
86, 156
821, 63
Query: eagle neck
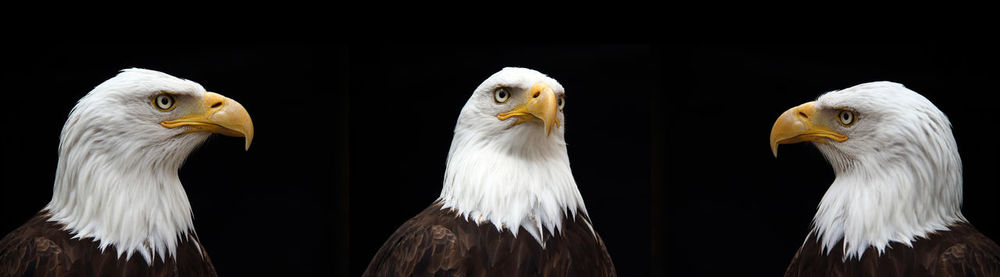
872, 203
517, 179
122, 194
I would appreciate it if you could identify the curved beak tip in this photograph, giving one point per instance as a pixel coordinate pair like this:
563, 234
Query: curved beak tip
545, 107
219, 115
232, 117
542, 105
797, 125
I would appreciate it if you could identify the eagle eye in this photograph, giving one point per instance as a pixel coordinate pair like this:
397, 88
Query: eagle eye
164, 102
561, 102
846, 118
501, 95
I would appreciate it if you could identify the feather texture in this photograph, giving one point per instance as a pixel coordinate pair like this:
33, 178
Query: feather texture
512, 176
437, 242
117, 194
41, 247
504, 177
894, 207
960, 251
899, 176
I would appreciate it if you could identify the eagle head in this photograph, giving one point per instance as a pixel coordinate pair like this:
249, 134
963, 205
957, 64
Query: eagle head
898, 171
119, 153
508, 163
518, 107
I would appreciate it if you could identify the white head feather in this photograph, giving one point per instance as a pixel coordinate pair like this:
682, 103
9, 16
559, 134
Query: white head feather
512, 175
899, 175
117, 181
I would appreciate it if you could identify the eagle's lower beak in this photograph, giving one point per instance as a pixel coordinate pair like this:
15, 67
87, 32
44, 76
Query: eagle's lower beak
797, 125
541, 103
217, 114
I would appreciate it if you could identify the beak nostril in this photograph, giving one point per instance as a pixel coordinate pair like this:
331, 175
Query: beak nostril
802, 114
537, 93
216, 105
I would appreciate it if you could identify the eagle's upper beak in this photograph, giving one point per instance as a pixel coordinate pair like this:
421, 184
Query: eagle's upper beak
799, 124
217, 114
541, 104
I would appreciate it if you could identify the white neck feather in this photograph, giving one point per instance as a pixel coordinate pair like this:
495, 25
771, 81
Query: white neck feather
518, 178
897, 194
120, 187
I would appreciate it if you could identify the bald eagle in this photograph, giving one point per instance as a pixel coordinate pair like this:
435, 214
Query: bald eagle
510, 205
117, 194
894, 207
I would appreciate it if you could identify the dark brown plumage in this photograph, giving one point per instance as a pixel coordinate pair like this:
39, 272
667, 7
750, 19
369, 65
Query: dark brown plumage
42, 248
438, 242
961, 251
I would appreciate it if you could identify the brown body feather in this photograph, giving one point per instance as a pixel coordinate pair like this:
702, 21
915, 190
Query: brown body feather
961, 251
438, 242
43, 248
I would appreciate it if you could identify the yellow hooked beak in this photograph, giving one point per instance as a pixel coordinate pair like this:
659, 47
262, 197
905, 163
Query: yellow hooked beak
541, 104
217, 114
799, 124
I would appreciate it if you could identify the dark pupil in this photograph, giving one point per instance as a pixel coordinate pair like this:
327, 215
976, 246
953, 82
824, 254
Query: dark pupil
847, 117
503, 94
163, 101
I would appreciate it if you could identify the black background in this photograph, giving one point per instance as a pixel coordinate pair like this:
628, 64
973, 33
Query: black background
668, 142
